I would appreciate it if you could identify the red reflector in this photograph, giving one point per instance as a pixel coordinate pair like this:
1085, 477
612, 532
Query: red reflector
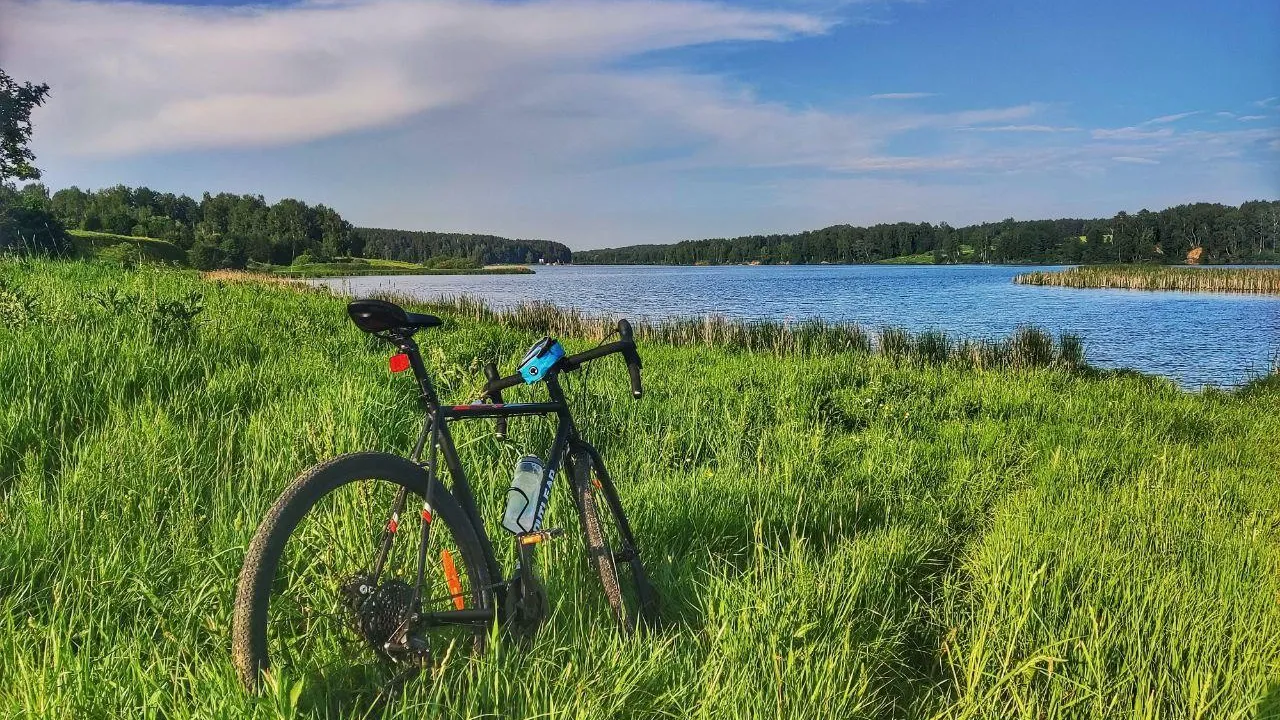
426, 515
399, 363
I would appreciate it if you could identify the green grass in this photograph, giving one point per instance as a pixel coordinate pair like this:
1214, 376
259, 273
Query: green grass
128, 247
926, 258
917, 259
835, 534
1160, 277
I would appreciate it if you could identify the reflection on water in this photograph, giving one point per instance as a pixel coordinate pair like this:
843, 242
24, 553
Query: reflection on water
1195, 338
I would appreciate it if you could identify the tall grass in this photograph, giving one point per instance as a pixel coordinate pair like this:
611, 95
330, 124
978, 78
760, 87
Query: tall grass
1029, 347
844, 534
1140, 277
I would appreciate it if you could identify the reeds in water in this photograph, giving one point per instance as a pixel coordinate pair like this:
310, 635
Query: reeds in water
1146, 277
1028, 347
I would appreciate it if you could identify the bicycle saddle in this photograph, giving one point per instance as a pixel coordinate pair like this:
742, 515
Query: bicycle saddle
375, 316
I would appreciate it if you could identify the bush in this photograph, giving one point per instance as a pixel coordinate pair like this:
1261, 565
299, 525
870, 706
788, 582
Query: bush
26, 230
205, 255
303, 259
15, 307
127, 255
449, 263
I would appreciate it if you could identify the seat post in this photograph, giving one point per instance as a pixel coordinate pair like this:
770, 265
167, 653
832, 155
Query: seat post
427, 391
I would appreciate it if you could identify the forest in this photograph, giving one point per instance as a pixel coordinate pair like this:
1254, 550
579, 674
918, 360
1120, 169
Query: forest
1217, 233
419, 246
228, 230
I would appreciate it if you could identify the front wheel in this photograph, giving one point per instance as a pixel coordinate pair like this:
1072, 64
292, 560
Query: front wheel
326, 594
611, 546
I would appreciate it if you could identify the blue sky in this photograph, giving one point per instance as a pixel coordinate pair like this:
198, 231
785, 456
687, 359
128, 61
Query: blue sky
608, 122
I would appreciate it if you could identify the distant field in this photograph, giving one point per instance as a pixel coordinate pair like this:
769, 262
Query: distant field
927, 258
147, 248
1147, 277
374, 266
917, 259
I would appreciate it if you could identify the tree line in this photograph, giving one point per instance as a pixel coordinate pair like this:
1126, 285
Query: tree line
222, 230
228, 230
1216, 233
418, 246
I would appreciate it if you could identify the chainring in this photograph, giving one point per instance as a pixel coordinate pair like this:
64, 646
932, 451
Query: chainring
524, 615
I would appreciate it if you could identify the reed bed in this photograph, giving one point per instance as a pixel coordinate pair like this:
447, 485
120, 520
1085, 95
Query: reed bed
1139, 277
1027, 347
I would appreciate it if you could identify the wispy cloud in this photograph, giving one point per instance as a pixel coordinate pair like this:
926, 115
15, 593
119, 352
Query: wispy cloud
902, 96
1166, 119
1135, 160
1021, 128
1251, 118
1130, 133
1267, 102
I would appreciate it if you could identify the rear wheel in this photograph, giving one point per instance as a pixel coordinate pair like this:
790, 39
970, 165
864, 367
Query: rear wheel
313, 603
611, 546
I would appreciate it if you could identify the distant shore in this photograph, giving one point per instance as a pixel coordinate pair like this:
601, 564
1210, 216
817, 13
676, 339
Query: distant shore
323, 270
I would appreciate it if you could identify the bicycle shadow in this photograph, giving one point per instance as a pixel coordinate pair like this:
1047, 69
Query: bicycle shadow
685, 543
1269, 708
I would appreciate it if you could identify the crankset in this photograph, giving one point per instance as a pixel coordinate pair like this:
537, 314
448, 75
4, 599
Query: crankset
527, 605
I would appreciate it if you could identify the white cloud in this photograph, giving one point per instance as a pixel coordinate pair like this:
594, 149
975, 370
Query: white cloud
1135, 160
486, 84
141, 77
902, 96
1251, 118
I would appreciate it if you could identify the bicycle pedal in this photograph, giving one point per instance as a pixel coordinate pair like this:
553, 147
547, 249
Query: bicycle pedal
533, 538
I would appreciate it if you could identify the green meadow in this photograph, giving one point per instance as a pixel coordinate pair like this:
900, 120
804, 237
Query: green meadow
837, 529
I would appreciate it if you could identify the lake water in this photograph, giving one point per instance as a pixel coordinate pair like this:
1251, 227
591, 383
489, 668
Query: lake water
1194, 338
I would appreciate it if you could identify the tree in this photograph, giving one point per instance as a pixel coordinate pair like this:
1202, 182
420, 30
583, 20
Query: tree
26, 223
17, 100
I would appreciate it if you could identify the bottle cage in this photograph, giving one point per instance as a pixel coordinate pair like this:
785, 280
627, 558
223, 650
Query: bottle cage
540, 359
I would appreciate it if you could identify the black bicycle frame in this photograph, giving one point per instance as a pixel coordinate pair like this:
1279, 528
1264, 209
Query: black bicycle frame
437, 423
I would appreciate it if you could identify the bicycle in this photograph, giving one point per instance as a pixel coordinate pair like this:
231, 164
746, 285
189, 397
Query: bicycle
344, 582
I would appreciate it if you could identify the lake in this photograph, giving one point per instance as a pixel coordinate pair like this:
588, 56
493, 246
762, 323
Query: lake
1194, 338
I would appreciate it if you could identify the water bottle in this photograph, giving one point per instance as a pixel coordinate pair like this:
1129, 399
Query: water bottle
522, 497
